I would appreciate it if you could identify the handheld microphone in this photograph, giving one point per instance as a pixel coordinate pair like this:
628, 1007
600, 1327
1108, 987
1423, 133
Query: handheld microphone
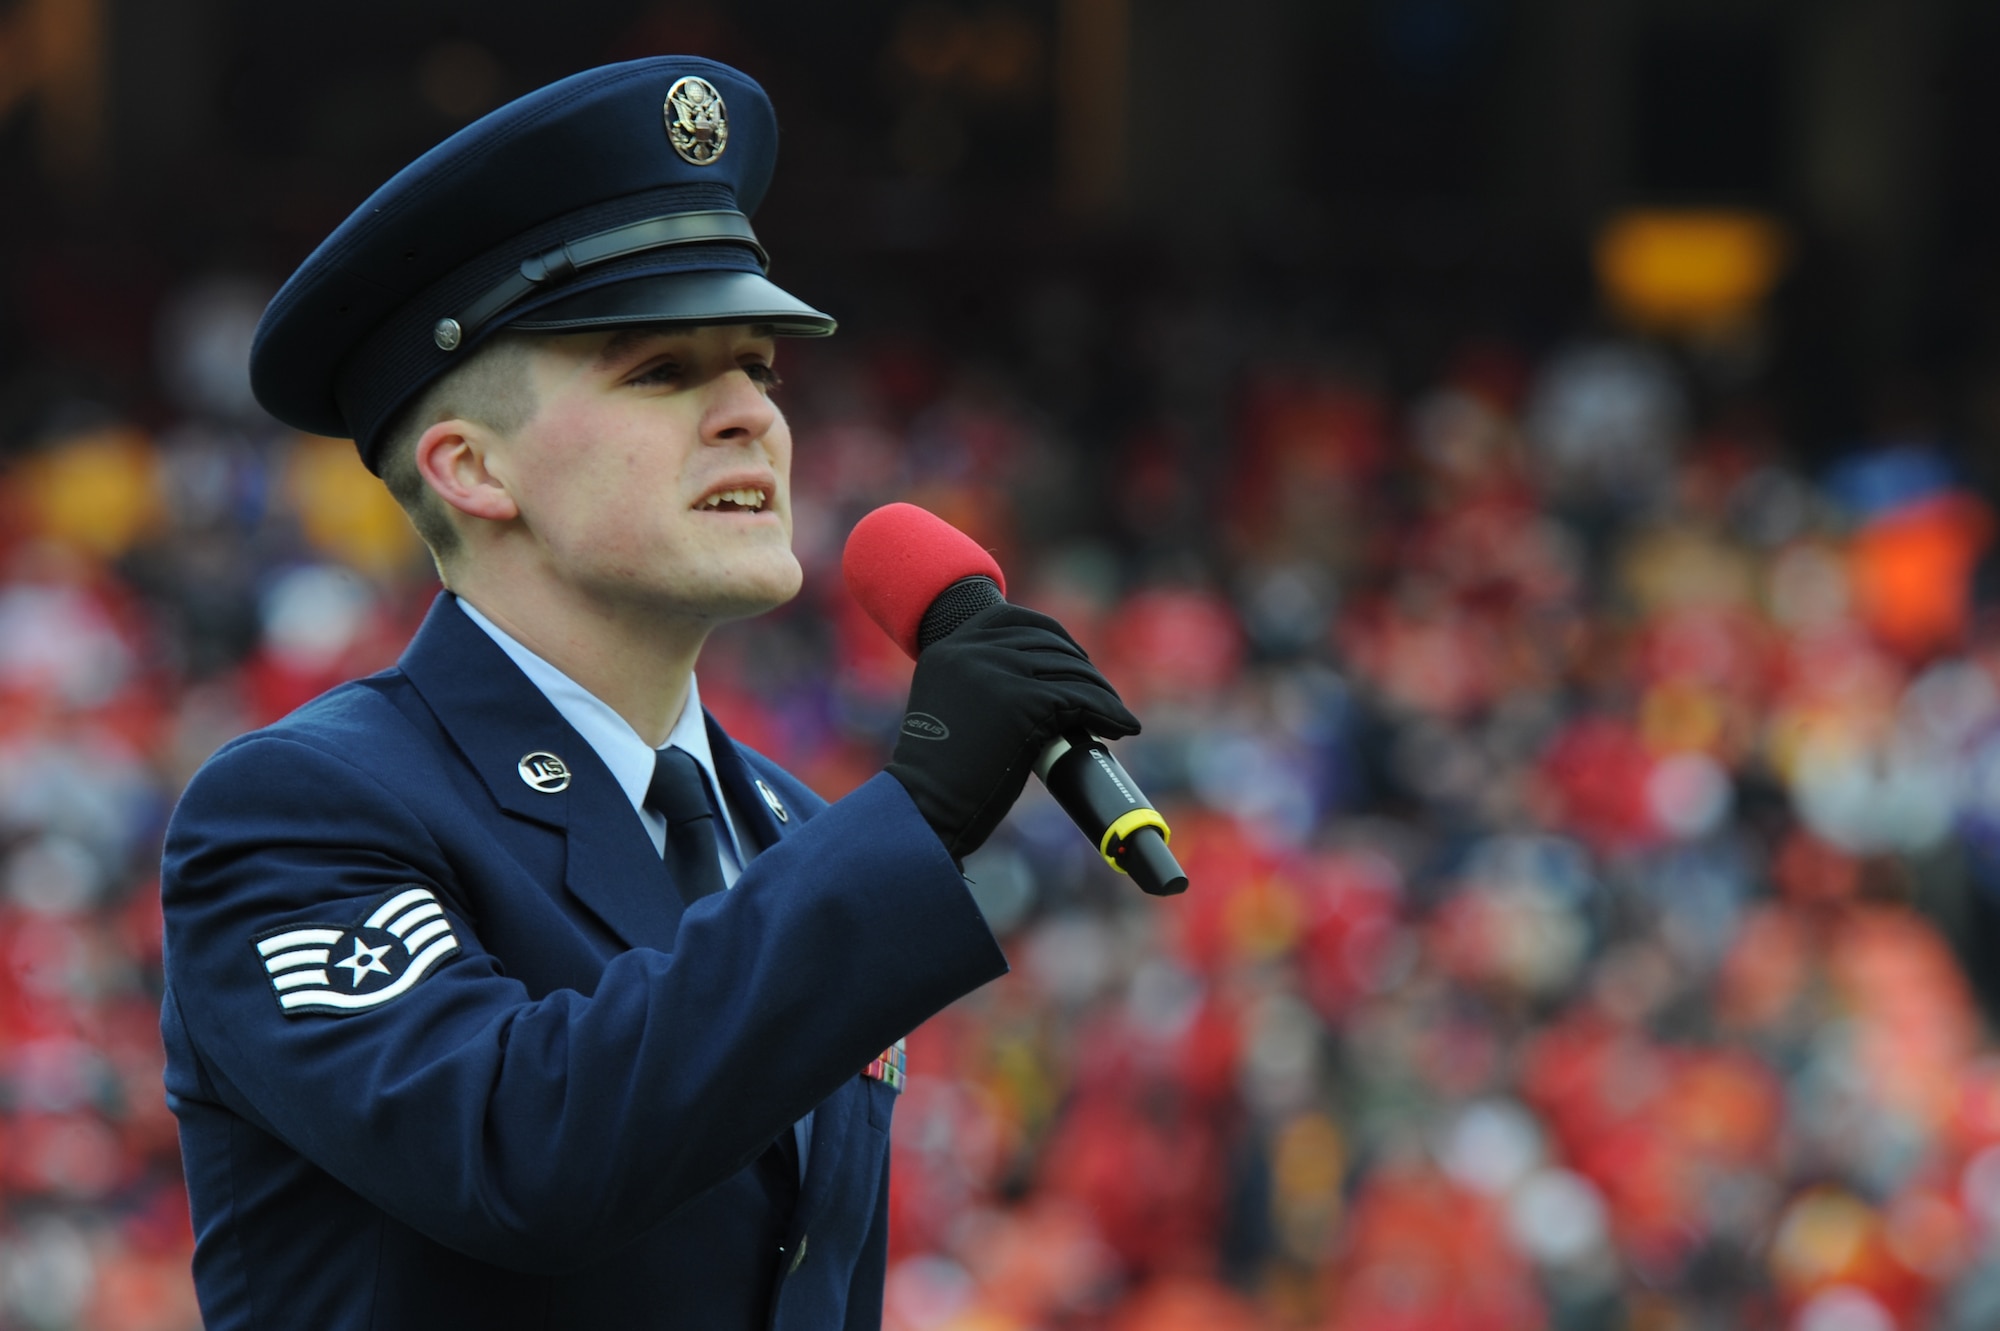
920, 578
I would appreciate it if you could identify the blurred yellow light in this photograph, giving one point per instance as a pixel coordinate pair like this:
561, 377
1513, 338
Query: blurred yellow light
1823, 1236
99, 493
1689, 271
1679, 717
345, 512
1309, 1159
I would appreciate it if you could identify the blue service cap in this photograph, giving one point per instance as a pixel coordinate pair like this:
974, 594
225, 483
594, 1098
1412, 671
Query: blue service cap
619, 196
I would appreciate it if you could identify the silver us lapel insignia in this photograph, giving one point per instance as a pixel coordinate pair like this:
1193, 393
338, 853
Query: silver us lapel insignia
543, 771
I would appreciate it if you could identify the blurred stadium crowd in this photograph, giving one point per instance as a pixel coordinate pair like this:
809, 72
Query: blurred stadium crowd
1582, 804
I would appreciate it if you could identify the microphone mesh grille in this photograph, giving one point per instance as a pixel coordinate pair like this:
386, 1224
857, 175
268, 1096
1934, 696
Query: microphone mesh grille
954, 605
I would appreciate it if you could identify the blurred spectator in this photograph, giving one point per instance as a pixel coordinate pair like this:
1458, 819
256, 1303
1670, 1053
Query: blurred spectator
1569, 788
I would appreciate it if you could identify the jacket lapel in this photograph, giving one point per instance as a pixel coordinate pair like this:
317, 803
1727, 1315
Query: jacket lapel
499, 719
751, 802
614, 870
492, 712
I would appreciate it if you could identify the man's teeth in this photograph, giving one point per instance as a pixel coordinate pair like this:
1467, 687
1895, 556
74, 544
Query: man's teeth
751, 499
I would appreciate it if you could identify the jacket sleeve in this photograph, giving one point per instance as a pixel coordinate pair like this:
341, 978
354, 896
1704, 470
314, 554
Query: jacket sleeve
528, 1133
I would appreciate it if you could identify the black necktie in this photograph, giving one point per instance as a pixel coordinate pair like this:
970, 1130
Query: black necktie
679, 792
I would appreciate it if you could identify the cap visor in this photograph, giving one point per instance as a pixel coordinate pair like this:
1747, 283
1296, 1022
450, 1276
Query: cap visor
707, 297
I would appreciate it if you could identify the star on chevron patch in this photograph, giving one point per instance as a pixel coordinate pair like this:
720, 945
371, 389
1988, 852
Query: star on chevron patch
347, 968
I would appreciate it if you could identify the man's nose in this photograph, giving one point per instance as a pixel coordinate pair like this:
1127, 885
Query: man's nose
739, 410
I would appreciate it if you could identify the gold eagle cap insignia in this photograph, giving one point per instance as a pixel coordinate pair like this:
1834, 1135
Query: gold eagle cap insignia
697, 122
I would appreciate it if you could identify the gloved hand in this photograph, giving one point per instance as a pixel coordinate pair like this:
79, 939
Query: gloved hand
985, 702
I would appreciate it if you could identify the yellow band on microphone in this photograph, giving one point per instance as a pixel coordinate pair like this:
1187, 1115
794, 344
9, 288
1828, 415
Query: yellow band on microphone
1126, 825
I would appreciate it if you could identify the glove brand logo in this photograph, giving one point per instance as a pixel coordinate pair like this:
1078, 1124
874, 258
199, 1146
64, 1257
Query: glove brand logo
922, 725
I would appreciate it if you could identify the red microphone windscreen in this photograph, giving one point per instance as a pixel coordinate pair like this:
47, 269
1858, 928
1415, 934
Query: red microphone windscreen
900, 557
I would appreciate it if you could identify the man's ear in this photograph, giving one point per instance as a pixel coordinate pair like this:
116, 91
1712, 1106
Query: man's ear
451, 457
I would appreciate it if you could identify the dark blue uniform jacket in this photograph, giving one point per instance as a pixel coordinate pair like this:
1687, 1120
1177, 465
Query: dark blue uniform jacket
447, 1051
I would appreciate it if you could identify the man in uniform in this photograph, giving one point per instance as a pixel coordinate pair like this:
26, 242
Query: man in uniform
504, 989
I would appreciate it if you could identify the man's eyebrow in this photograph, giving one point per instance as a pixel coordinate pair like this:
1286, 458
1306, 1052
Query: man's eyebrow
621, 345
619, 348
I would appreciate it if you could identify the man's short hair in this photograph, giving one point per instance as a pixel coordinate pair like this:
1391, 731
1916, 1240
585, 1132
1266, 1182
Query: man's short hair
493, 388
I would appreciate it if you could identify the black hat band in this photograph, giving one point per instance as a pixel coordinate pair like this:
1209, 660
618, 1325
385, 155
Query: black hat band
555, 266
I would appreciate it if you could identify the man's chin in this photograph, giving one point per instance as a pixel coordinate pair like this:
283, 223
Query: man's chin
751, 607
749, 596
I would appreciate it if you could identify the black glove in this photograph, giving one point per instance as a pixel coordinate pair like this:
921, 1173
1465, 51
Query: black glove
985, 702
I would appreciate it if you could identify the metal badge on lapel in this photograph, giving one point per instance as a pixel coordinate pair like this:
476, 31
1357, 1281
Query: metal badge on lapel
544, 772
771, 798
891, 1066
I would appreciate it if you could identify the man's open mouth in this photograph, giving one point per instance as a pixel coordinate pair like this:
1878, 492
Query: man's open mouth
746, 499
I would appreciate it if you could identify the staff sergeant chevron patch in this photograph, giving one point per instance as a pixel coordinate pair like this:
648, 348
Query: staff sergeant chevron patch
342, 969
